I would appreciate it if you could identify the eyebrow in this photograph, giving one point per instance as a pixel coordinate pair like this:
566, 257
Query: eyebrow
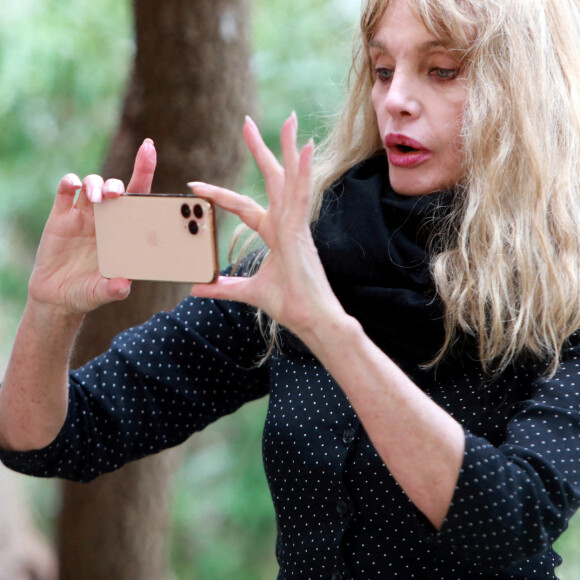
423, 47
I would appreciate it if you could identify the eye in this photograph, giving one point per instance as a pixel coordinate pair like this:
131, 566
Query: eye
445, 74
384, 74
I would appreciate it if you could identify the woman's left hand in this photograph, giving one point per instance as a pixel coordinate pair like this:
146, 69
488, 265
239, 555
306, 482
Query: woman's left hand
290, 285
421, 444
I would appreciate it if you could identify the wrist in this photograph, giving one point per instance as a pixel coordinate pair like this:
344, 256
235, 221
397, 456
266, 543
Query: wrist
52, 315
327, 333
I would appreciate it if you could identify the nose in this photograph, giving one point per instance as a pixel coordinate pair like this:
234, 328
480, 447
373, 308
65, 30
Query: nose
402, 97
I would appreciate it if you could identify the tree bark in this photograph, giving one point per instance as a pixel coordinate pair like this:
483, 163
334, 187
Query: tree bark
190, 87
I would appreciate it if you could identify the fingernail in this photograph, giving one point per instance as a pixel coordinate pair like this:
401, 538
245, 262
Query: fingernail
124, 291
294, 121
94, 195
196, 184
114, 187
149, 141
73, 180
250, 120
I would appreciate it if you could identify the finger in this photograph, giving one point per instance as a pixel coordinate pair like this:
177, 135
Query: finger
248, 210
266, 161
303, 196
108, 290
91, 191
117, 288
289, 149
113, 188
144, 168
234, 288
66, 191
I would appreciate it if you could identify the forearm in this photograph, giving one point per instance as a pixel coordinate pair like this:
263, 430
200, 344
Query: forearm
34, 393
420, 443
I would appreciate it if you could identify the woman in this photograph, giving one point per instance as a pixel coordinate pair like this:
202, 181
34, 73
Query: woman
423, 412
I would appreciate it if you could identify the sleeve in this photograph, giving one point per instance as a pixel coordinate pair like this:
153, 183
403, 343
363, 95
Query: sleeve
512, 501
156, 385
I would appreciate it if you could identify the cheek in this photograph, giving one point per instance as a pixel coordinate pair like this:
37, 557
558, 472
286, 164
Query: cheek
376, 100
454, 130
453, 165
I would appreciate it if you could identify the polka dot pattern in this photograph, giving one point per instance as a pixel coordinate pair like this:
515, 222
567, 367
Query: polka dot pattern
339, 512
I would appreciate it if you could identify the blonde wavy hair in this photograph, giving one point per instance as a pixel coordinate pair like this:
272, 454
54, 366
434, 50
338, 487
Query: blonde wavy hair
508, 268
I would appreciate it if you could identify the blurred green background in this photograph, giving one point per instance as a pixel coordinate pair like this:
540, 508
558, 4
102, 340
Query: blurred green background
63, 64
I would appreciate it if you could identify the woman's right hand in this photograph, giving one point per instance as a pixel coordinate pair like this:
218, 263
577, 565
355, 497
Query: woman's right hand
64, 285
65, 275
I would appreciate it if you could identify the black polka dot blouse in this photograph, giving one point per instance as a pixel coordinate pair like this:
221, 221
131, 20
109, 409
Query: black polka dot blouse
339, 512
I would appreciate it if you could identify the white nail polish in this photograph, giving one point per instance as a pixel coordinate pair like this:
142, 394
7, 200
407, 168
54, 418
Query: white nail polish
94, 196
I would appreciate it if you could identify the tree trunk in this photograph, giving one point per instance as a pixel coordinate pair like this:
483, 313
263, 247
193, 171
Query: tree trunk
189, 90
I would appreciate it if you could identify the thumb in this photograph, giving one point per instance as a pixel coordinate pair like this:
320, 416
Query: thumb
115, 289
238, 289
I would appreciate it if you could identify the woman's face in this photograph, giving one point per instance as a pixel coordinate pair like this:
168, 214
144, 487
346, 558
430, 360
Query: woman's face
418, 96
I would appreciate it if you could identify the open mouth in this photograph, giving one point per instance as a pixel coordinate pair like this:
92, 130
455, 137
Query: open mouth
399, 143
406, 149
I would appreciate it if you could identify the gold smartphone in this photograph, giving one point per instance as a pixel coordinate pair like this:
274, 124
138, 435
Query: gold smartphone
160, 236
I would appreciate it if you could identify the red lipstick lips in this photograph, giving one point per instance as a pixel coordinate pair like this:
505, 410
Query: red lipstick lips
404, 151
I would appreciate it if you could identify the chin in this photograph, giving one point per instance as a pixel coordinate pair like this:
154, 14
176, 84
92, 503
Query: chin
414, 185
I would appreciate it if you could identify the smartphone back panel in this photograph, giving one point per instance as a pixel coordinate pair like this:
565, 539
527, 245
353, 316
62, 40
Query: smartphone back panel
157, 237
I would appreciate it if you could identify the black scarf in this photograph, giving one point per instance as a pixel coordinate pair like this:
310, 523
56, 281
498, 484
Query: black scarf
373, 246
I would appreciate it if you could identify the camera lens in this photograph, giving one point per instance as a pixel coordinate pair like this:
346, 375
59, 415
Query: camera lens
193, 227
198, 211
185, 211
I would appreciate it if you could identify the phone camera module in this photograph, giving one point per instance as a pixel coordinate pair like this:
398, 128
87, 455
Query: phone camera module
193, 227
198, 211
185, 210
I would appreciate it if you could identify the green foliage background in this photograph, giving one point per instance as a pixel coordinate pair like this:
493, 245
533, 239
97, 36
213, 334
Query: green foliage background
63, 64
